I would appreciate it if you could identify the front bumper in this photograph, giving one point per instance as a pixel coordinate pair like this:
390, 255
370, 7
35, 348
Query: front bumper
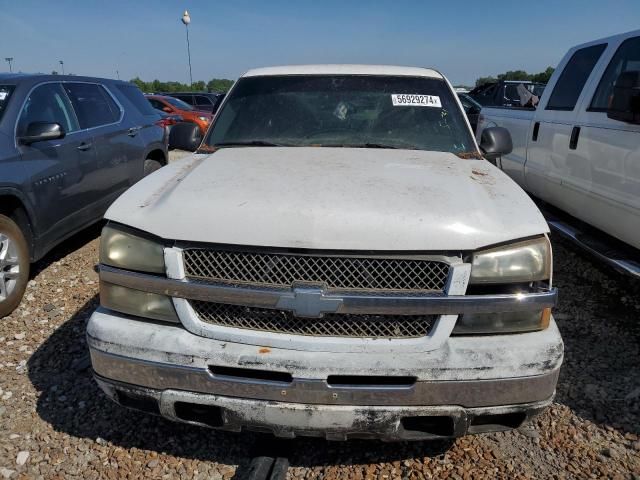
469, 385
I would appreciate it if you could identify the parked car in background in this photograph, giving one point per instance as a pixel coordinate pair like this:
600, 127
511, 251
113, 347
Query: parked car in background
504, 93
471, 108
168, 120
175, 106
579, 150
205, 101
338, 261
69, 146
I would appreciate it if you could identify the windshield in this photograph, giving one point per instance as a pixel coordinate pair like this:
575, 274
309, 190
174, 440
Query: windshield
5, 93
343, 111
179, 104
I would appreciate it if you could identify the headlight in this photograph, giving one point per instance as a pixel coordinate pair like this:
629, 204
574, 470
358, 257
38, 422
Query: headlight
122, 249
521, 262
204, 119
135, 302
517, 263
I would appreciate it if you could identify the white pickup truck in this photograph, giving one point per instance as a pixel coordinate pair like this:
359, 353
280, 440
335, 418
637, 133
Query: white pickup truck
339, 261
579, 150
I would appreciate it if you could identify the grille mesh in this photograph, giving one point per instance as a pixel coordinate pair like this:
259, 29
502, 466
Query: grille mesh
284, 270
331, 325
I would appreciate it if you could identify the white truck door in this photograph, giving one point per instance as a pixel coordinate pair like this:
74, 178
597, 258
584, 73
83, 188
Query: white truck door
549, 156
605, 170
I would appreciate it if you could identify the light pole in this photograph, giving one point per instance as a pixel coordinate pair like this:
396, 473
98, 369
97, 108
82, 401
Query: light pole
9, 60
62, 65
186, 19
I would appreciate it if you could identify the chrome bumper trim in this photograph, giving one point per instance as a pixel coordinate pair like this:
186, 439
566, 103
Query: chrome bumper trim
349, 302
465, 393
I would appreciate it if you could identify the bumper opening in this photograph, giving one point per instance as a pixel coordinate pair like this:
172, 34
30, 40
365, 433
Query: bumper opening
442, 426
138, 402
369, 381
496, 422
209, 415
251, 374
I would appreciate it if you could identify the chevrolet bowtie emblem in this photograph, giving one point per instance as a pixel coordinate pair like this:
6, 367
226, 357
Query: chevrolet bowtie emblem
308, 302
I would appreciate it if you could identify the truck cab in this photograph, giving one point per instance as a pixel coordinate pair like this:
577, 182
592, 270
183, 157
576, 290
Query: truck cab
579, 151
504, 93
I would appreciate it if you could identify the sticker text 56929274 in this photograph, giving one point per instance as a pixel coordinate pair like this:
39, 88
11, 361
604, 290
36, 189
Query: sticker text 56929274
415, 100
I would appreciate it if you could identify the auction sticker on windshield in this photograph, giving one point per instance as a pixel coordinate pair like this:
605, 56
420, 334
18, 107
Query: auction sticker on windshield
414, 100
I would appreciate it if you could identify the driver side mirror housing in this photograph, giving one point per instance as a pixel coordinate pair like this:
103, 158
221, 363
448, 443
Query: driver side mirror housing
40, 132
624, 104
495, 142
185, 136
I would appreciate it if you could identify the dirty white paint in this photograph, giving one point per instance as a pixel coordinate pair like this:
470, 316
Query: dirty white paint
460, 358
331, 198
345, 69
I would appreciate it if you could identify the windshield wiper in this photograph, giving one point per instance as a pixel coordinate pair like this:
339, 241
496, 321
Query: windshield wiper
357, 145
378, 145
252, 143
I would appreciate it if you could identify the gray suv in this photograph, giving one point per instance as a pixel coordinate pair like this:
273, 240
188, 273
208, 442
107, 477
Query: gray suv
69, 146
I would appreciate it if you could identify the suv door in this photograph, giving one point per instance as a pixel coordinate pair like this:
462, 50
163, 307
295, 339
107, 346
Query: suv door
606, 171
58, 189
118, 145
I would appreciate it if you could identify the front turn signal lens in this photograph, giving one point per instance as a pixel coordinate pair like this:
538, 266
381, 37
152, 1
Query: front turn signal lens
137, 303
502, 323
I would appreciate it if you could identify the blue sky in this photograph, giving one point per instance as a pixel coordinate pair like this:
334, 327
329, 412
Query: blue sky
464, 39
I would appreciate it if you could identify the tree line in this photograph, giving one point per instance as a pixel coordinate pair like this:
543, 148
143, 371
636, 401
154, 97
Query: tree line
541, 77
213, 85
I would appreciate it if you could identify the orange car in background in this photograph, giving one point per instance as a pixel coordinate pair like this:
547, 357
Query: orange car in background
175, 106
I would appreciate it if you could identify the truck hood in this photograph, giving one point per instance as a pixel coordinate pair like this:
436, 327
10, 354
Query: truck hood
331, 198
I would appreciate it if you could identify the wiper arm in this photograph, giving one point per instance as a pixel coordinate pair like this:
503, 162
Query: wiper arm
357, 145
378, 145
252, 143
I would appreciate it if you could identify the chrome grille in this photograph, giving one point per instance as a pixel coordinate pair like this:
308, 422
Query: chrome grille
331, 325
344, 272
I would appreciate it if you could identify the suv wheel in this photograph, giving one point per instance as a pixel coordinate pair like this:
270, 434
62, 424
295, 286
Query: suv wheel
14, 265
151, 166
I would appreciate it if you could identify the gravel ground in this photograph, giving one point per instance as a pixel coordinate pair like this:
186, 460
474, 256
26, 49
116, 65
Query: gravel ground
56, 423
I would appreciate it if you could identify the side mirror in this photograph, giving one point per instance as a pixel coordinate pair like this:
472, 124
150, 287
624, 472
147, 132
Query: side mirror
185, 136
495, 142
624, 104
41, 131
167, 109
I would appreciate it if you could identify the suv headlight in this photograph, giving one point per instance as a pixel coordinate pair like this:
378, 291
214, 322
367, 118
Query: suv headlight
522, 262
121, 248
513, 266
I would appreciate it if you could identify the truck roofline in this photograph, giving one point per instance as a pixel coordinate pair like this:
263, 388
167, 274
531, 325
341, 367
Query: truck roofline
346, 69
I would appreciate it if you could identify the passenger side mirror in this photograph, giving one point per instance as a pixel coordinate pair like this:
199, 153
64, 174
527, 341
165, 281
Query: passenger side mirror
41, 131
495, 142
624, 104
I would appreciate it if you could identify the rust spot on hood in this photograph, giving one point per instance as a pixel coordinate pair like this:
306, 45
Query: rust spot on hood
264, 350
